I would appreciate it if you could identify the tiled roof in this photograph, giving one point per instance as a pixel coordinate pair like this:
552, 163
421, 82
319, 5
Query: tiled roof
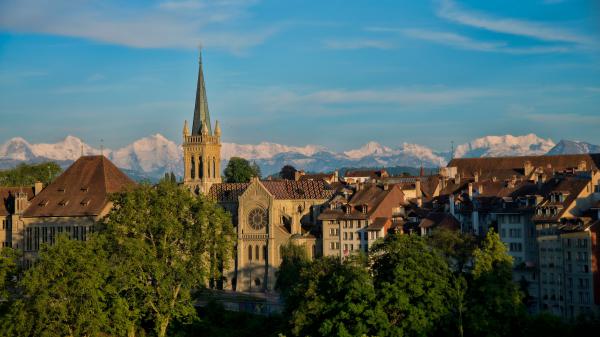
280, 189
572, 185
227, 192
306, 189
488, 165
82, 190
7, 195
440, 219
378, 224
366, 173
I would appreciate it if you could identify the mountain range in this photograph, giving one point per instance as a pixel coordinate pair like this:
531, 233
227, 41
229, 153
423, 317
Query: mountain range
151, 157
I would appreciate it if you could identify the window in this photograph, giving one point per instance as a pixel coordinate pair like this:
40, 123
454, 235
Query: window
249, 253
503, 233
514, 218
337, 245
351, 236
257, 253
332, 245
264, 249
345, 235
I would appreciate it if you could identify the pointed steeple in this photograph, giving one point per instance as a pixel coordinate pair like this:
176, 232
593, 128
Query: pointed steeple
201, 115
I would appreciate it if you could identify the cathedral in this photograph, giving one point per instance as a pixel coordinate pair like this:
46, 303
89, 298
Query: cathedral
266, 214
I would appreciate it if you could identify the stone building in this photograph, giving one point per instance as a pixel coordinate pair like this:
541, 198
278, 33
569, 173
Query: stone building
268, 215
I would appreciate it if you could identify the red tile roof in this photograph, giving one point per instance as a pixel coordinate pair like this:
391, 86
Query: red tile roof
82, 190
280, 189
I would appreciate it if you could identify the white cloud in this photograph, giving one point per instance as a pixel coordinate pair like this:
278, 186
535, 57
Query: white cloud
464, 42
172, 24
357, 44
449, 10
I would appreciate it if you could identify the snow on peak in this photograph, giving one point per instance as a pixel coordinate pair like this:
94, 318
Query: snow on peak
264, 150
369, 149
507, 145
16, 148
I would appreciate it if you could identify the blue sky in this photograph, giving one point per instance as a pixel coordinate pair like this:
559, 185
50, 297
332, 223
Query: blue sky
335, 73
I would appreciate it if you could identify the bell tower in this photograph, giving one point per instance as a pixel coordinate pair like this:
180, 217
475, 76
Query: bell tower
201, 147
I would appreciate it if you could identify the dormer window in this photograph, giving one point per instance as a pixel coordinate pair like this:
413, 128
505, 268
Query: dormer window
43, 203
348, 208
85, 202
63, 203
365, 209
84, 189
62, 189
561, 197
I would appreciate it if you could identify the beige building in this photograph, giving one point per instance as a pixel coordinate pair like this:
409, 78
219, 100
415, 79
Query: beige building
353, 224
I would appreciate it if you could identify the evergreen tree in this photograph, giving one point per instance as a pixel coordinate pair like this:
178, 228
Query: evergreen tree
288, 172
27, 175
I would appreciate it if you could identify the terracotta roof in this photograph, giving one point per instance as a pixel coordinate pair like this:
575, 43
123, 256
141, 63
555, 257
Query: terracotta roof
440, 219
7, 195
572, 185
82, 190
366, 173
306, 189
227, 192
280, 189
378, 224
371, 195
487, 165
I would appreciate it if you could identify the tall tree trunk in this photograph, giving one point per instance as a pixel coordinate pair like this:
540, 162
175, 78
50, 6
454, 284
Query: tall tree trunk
163, 325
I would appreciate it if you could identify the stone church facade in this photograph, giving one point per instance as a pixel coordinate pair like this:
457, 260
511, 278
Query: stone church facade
267, 214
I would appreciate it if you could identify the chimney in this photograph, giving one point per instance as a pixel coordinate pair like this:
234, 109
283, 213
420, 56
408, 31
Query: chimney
470, 190
451, 202
21, 202
527, 168
418, 192
37, 188
336, 176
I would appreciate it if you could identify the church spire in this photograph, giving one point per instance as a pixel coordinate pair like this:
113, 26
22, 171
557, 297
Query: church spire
201, 115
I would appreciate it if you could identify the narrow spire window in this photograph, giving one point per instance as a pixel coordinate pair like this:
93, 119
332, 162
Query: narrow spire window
250, 253
214, 167
201, 169
193, 169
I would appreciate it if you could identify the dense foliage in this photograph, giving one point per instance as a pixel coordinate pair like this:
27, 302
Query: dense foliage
288, 172
25, 174
135, 276
239, 170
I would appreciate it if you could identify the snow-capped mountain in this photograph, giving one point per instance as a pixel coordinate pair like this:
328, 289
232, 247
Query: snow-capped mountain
155, 155
573, 147
501, 146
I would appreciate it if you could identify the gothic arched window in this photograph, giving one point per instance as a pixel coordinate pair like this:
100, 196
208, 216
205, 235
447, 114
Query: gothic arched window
257, 251
201, 160
214, 167
264, 256
193, 169
249, 253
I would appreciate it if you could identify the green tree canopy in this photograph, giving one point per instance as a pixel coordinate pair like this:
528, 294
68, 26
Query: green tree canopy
171, 243
412, 282
493, 298
63, 294
339, 300
239, 170
288, 172
26, 174
294, 260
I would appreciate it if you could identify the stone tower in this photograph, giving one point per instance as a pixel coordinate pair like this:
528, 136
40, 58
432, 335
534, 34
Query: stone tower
201, 148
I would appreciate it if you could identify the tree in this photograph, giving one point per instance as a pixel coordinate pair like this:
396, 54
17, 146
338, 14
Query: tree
294, 260
288, 172
412, 282
239, 170
171, 243
63, 293
8, 275
338, 299
25, 174
493, 298
455, 246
